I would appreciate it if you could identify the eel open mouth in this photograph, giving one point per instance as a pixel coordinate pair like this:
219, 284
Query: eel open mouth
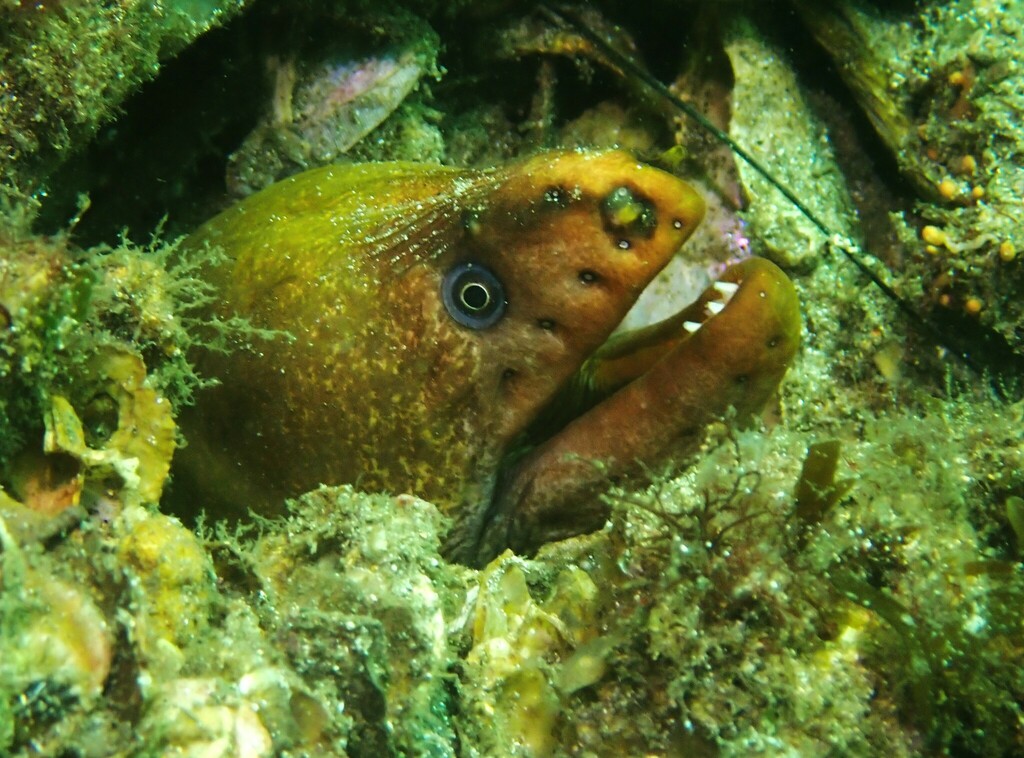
643, 399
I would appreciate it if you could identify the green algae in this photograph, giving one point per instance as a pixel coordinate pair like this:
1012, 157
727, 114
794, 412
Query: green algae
65, 307
817, 490
700, 624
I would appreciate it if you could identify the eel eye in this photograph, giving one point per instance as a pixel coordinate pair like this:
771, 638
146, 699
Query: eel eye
473, 295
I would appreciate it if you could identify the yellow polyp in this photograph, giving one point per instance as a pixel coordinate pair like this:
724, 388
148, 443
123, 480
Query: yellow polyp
1007, 251
977, 193
846, 645
973, 305
968, 165
674, 157
933, 235
948, 189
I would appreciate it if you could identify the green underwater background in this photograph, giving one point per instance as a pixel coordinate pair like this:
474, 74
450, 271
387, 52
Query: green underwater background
842, 578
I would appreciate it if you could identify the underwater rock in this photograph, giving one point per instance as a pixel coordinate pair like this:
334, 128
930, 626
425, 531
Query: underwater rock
191, 717
209, 678
362, 602
133, 436
171, 579
33, 322
84, 427
54, 634
772, 120
944, 90
511, 672
321, 108
858, 39
66, 67
535, 35
139, 442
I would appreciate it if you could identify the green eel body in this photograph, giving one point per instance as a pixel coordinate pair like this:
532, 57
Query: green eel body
434, 314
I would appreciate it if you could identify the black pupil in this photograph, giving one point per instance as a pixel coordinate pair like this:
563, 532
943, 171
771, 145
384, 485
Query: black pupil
475, 296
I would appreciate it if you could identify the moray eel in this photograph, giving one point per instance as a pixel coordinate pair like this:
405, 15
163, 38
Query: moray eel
448, 336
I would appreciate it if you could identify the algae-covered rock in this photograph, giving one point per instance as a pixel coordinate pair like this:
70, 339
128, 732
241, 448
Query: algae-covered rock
192, 718
943, 86
696, 621
53, 632
772, 120
362, 599
66, 67
87, 419
139, 441
57, 644
171, 579
527, 654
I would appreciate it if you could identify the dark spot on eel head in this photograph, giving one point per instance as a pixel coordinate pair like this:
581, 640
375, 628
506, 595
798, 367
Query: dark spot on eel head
557, 197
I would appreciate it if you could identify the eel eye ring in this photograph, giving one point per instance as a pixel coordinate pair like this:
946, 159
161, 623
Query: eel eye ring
473, 295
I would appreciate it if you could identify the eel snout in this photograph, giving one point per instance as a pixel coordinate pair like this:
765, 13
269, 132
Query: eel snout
643, 400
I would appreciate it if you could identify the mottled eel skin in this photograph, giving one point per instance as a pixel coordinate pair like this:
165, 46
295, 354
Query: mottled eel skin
446, 340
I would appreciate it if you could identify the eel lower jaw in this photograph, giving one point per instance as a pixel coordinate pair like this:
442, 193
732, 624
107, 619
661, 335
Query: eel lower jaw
642, 401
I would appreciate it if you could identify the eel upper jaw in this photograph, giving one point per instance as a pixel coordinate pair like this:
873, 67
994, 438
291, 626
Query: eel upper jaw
553, 491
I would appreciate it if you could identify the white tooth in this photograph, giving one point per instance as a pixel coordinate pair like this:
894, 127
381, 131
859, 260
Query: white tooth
691, 326
715, 307
726, 289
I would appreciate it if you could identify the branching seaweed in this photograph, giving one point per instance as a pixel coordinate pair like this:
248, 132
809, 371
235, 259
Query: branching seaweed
155, 298
703, 537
